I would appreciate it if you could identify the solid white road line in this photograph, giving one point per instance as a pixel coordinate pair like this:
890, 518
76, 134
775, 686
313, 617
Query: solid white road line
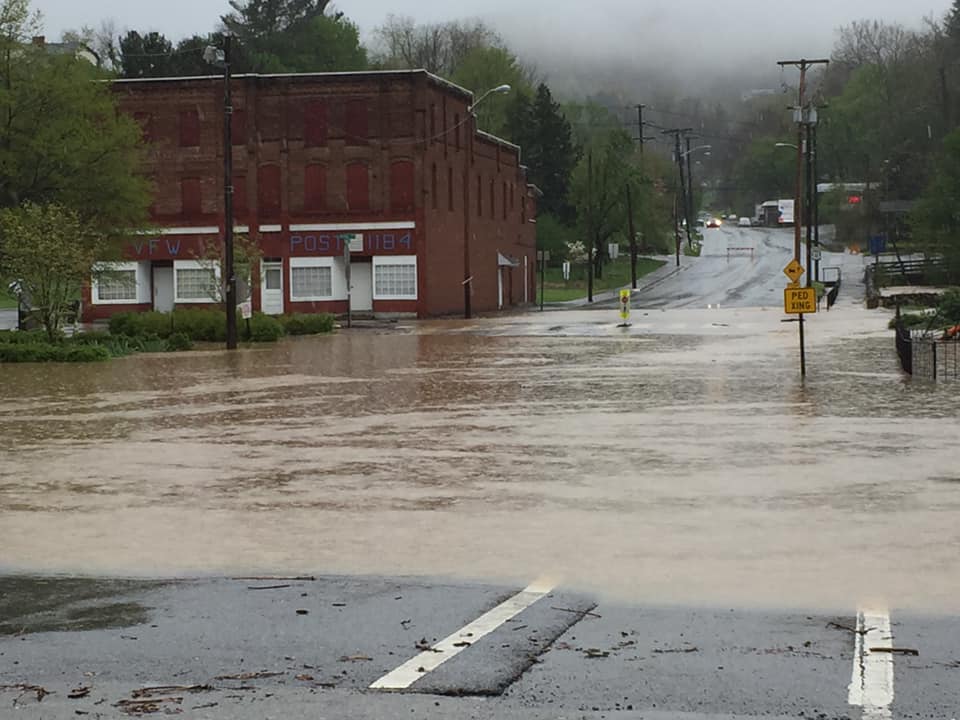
872, 685
416, 667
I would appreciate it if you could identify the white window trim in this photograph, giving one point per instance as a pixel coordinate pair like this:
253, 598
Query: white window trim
193, 265
115, 267
304, 262
379, 260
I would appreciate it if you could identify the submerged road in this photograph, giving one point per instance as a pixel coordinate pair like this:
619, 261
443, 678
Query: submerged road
536, 516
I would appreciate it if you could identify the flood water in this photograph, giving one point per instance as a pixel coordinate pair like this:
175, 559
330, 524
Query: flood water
681, 460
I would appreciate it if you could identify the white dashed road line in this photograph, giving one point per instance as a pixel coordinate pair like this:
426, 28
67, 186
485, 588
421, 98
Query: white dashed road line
416, 667
872, 685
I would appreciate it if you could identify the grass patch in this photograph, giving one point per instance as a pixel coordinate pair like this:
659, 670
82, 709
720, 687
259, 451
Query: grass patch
692, 250
616, 275
6, 301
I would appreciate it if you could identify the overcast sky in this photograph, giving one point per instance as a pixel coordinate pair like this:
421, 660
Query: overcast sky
681, 36
568, 21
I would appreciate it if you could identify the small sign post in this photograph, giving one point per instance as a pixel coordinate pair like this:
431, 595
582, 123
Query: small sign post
625, 308
246, 312
797, 301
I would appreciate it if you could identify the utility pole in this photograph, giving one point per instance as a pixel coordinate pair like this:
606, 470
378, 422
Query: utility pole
678, 158
633, 241
808, 208
816, 203
228, 198
676, 224
640, 129
590, 220
798, 215
689, 183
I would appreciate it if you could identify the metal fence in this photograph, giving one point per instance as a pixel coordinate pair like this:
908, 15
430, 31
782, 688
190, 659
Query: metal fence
926, 356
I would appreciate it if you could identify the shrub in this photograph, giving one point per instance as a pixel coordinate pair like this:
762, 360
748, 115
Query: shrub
307, 323
140, 324
264, 328
179, 341
47, 352
950, 305
84, 353
93, 337
19, 337
200, 324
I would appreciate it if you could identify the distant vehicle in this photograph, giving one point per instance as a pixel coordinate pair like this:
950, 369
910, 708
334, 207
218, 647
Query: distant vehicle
732, 218
744, 222
714, 222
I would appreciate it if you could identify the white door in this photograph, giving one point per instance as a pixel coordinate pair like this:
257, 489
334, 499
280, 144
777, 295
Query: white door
361, 287
271, 288
163, 289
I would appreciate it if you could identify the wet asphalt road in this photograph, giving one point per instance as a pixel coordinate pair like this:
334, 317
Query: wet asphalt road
313, 647
743, 267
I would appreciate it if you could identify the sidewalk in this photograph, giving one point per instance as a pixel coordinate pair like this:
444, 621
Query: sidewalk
647, 281
8, 319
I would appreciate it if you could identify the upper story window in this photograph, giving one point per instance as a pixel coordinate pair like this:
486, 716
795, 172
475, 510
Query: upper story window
268, 191
189, 128
358, 186
238, 127
315, 187
191, 204
315, 124
401, 186
357, 122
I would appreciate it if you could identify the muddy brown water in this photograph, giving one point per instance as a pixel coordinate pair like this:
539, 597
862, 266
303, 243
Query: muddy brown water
657, 464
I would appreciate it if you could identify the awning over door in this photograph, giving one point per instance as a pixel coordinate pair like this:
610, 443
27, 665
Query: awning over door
506, 261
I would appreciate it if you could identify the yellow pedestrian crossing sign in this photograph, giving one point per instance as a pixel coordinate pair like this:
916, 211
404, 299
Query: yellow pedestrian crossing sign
794, 270
797, 301
624, 305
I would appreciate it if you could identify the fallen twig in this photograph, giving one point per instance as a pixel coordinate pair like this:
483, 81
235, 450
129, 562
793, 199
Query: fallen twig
79, 692
596, 653
664, 651
839, 626
267, 587
354, 658
302, 578
148, 692
143, 707
248, 676
896, 651
41, 692
582, 613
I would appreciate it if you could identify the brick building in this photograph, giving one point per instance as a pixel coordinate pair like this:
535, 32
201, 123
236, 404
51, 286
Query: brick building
389, 164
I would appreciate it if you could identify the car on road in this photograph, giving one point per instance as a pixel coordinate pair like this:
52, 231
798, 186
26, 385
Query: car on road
732, 218
744, 222
714, 222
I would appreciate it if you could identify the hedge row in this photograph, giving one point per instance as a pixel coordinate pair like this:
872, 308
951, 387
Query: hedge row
210, 325
49, 352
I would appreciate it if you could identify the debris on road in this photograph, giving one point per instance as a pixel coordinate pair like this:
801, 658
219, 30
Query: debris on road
355, 658
839, 626
426, 647
248, 676
152, 690
79, 692
582, 613
267, 587
596, 653
145, 707
301, 611
41, 692
665, 651
896, 651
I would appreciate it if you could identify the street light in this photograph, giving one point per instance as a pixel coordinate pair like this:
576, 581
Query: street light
221, 58
694, 149
471, 116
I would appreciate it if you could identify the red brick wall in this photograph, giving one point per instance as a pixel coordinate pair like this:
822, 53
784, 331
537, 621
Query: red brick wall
390, 124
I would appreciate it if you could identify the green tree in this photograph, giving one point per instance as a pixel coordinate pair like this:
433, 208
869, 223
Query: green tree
256, 20
485, 68
319, 44
598, 185
48, 250
546, 141
64, 142
147, 55
936, 219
